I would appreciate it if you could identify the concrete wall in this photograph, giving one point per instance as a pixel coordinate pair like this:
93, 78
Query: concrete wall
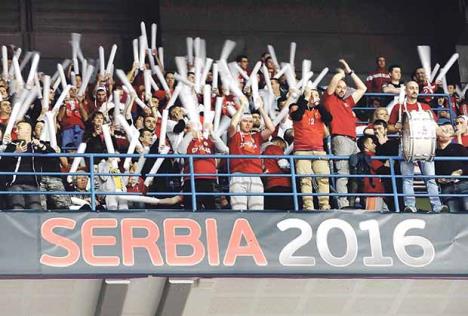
45, 26
323, 30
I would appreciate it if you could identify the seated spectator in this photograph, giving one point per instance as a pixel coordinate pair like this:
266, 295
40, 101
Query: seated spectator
277, 184
80, 200
135, 184
445, 148
111, 183
380, 114
461, 130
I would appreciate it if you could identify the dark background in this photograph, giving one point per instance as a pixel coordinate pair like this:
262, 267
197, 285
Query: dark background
324, 30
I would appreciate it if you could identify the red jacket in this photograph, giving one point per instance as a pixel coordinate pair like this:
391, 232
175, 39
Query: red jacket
374, 184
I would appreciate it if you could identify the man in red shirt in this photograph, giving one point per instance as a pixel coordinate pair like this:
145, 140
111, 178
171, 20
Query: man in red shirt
196, 143
343, 124
72, 117
277, 185
309, 119
376, 79
244, 142
407, 167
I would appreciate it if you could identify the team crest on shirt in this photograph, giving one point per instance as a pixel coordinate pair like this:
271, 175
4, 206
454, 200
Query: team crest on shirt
248, 145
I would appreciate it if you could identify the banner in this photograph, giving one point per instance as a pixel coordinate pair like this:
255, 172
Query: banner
232, 244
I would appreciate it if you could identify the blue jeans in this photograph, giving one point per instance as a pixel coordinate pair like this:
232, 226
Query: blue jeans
456, 204
427, 169
72, 137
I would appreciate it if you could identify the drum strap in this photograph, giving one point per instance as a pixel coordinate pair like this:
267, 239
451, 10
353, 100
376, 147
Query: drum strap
406, 110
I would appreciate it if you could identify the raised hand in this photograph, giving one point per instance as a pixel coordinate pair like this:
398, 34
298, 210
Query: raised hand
345, 65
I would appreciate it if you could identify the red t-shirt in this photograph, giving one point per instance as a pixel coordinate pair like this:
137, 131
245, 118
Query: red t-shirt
246, 144
376, 80
374, 185
72, 115
271, 166
309, 131
203, 146
395, 115
344, 119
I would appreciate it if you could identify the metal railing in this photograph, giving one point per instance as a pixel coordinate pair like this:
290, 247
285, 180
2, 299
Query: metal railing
192, 175
391, 95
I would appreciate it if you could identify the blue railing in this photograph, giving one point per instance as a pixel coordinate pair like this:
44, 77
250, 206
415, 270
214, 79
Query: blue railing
295, 192
437, 110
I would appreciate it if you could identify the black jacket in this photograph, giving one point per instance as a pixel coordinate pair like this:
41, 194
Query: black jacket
22, 164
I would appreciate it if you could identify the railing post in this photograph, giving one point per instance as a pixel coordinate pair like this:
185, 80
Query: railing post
91, 174
293, 183
394, 186
449, 104
192, 184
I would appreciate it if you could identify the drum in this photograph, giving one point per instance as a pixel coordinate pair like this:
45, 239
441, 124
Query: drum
419, 136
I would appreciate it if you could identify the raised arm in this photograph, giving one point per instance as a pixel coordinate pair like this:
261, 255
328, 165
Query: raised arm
82, 109
340, 75
236, 117
360, 86
269, 127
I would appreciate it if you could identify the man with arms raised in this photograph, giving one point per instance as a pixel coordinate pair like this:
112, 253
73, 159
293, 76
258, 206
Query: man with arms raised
246, 142
343, 124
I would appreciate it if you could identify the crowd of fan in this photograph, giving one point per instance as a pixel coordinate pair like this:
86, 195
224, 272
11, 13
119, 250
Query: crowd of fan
254, 127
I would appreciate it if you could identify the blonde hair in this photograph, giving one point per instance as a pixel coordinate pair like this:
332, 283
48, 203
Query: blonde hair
374, 116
